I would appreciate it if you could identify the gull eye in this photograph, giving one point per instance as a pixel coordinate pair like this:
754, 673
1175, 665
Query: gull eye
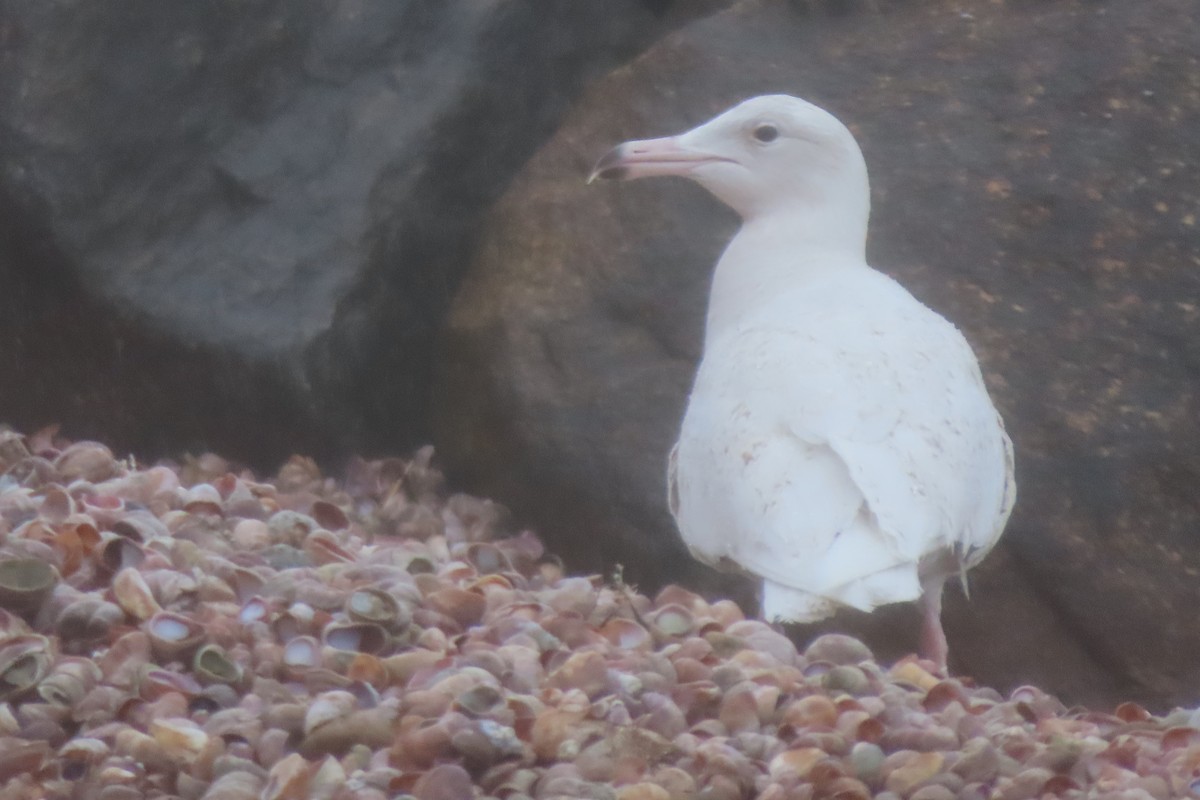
766, 133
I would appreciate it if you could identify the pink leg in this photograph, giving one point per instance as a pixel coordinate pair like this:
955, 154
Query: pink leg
933, 638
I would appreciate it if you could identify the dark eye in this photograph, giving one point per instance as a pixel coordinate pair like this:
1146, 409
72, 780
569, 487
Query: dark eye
766, 133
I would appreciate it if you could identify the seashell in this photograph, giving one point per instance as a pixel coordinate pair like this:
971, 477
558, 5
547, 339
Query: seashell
123, 662
329, 516
33, 472
846, 678
169, 585
143, 749
461, 605
378, 607
81, 753
272, 746
25, 584
322, 548
402, 666
368, 669
738, 711
213, 665
812, 711
318, 595
133, 594
69, 681
573, 631
56, 505
938, 792
235, 724
19, 757
1131, 712
672, 621
300, 619
555, 725
321, 680
912, 673
1028, 782
444, 782
420, 565
328, 780
73, 543
102, 509
250, 534
236, 785
328, 707
922, 740
301, 654
43, 721
508, 780
12, 625
837, 649
174, 636
284, 557
115, 553
89, 461
291, 527
911, 770
181, 739
481, 700
359, 637
88, 619
212, 590
156, 682
938, 697
213, 698
585, 671
627, 635
488, 559
245, 583
979, 761
334, 723
372, 727
255, 610
100, 705
24, 662
140, 527
866, 762
12, 448
288, 779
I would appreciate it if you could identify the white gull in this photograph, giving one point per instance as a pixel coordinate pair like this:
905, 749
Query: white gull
839, 441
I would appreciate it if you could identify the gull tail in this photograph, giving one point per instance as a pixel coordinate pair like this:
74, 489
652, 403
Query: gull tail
784, 604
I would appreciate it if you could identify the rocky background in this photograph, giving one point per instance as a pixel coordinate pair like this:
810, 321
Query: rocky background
359, 226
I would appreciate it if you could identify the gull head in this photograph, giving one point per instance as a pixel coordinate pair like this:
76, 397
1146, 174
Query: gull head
767, 155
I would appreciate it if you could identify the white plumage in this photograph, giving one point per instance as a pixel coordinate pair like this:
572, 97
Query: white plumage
839, 441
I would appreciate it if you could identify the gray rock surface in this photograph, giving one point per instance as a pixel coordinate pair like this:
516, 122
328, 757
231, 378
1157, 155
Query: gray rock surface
268, 203
1036, 188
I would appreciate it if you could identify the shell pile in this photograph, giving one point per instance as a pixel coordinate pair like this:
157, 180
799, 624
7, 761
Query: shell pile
186, 631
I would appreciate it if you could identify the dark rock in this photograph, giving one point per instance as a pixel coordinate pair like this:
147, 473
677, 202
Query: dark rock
240, 222
1038, 188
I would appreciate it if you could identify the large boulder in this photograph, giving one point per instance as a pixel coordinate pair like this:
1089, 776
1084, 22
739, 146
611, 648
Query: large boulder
1034, 180
240, 222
